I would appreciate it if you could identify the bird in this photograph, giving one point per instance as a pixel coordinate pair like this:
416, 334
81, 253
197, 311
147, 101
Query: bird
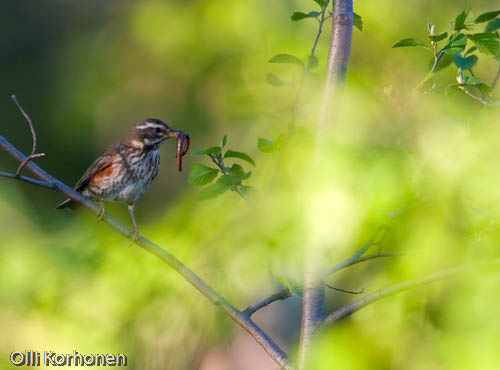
125, 170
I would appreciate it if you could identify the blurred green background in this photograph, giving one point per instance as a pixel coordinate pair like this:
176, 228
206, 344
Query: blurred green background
426, 166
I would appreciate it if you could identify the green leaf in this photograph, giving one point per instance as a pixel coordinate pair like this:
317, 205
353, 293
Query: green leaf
284, 281
297, 16
461, 21
438, 37
470, 80
493, 25
212, 191
488, 16
274, 80
465, 62
312, 61
470, 50
409, 42
245, 190
223, 141
456, 44
358, 21
286, 59
486, 43
240, 155
229, 180
212, 150
485, 88
443, 62
201, 174
322, 3
452, 89
269, 146
237, 171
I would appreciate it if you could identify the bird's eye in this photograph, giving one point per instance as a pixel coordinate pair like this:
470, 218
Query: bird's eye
158, 130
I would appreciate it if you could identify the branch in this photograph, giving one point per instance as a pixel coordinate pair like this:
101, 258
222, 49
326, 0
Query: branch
338, 55
358, 304
280, 295
239, 317
497, 76
33, 155
354, 260
29, 180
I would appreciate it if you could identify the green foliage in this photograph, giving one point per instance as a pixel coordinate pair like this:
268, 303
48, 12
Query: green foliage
456, 44
322, 3
461, 21
410, 42
270, 146
231, 178
274, 80
488, 16
438, 37
240, 155
493, 26
297, 16
465, 62
358, 21
201, 175
286, 59
486, 43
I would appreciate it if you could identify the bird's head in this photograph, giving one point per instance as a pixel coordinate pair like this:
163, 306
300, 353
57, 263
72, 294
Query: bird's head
150, 132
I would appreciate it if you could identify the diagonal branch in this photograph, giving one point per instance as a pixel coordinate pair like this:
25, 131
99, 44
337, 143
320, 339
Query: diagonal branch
283, 293
357, 259
242, 319
33, 154
379, 294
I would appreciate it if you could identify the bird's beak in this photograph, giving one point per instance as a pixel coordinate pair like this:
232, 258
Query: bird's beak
171, 134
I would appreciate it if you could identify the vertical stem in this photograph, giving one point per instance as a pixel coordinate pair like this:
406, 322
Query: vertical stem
338, 57
313, 303
313, 297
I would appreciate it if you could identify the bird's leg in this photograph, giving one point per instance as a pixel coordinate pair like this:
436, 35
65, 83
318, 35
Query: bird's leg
102, 210
136, 229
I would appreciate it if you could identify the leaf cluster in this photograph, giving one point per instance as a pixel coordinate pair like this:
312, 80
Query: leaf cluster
448, 48
226, 178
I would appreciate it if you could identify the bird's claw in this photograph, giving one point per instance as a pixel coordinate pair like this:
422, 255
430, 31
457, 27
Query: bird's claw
102, 212
135, 236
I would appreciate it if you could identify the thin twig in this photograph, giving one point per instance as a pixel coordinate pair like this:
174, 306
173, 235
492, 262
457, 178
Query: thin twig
274, 351
497, 76
280, 295
28, 180
345, 290
482, 101
354, 260
298, 94
358, 304
33, 155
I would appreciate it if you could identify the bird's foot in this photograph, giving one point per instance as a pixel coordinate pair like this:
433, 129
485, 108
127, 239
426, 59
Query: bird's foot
135, 236
102, 211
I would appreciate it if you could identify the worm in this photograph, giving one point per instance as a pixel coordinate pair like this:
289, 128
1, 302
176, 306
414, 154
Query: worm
182, 147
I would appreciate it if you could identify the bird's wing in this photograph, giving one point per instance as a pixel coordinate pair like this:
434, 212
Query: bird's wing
101, 163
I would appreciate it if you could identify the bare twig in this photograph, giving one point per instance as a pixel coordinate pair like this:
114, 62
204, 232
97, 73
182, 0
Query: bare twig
344, 290
497, 76
298, 95
280, 295
354, 260
358, 304
29, 180
33, 154
482, 101
242, 319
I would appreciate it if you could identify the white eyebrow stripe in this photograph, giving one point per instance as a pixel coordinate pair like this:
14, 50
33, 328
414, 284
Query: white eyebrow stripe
149, 125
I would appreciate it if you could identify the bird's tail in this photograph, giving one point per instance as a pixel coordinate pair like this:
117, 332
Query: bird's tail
68, 203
